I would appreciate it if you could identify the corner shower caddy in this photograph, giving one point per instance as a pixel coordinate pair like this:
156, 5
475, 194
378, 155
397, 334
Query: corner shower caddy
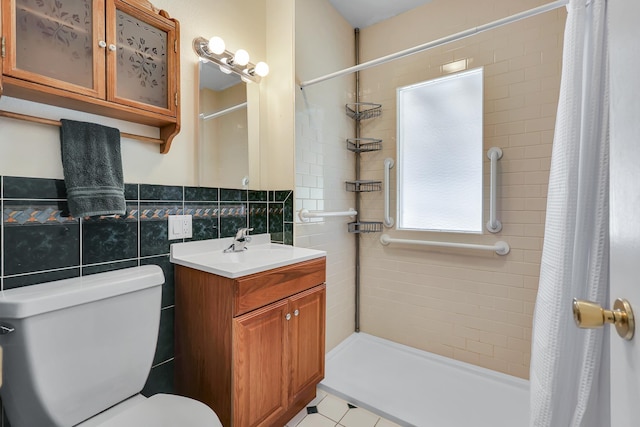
362, 111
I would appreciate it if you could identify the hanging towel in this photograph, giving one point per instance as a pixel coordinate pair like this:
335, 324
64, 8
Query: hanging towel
92, 167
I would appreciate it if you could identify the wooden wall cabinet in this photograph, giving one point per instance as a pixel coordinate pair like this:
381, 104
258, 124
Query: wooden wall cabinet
251, 348
116, 58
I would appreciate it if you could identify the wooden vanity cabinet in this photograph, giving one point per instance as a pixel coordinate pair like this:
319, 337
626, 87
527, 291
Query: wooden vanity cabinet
251, 348
116, 58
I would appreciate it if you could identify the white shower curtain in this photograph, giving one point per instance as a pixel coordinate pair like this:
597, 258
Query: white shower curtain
569, 366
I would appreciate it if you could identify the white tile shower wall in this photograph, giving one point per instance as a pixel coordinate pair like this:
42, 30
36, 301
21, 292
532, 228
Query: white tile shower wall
324, 43
469, 306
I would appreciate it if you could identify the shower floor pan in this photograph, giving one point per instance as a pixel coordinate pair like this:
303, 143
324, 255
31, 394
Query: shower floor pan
416, 388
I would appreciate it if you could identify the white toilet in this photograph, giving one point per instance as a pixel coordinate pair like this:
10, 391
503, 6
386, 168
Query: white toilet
77, 352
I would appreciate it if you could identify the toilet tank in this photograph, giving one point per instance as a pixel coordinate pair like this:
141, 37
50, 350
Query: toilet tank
79, 346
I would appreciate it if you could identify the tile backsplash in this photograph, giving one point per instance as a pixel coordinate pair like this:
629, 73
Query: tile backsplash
41, 242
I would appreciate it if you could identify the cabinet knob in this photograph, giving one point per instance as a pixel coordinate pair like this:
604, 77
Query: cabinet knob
112, 47
297, 312
102, 44
288, 316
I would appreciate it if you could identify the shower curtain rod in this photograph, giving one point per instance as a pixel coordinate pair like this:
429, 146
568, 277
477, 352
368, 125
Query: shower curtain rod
223, 112
416, 49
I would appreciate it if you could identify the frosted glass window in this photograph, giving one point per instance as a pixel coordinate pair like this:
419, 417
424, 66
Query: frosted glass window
440, 154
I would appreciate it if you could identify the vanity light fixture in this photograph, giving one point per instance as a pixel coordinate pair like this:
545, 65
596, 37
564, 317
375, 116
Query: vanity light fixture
214, 50
225, 69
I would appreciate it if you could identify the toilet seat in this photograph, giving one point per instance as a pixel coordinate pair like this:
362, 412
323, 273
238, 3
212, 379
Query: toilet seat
159, 410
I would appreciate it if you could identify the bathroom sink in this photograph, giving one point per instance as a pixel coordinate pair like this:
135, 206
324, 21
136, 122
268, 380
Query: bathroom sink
261, 255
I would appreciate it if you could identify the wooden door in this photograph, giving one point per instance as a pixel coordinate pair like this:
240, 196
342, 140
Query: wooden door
141, 58
56, 43
624, 34
307, 336
260, 362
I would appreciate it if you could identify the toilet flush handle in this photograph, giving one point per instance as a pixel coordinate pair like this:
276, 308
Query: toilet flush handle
6, 329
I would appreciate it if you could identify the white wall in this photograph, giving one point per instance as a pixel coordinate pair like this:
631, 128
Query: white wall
33, 150
324, 43
474, 307
277, 98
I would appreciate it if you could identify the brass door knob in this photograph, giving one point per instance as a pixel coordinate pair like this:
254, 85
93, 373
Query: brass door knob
588, 314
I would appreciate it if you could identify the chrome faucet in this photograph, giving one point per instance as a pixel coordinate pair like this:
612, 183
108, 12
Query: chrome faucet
239, 242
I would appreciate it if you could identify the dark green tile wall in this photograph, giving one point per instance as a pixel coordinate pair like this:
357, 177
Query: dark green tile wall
41, 242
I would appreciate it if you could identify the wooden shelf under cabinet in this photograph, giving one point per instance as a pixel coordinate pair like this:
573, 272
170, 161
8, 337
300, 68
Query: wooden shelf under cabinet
251, 348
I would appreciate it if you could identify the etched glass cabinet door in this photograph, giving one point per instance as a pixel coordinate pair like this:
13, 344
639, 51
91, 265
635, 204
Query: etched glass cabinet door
141, 55
113, 58
58, 43
107, 49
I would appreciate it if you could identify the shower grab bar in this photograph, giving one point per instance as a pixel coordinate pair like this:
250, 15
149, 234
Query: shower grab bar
493, 225
305, 214
388, 164
501, 247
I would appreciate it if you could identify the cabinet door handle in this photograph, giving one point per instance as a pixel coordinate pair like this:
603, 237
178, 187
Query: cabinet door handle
112, 47
288, 316
102, 44
297, 312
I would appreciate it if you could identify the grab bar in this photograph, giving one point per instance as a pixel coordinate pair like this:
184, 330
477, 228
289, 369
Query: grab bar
305, 214
493, 225
501, 247
388, 164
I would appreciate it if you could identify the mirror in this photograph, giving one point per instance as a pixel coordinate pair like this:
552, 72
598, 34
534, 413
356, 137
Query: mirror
228, 129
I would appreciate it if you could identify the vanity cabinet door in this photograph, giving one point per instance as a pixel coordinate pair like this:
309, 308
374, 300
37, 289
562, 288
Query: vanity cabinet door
278, 354
141, 59
57, 43
260, 339
251, 348
307, 338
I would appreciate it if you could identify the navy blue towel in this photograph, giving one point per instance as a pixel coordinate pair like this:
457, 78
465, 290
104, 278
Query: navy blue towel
92, 166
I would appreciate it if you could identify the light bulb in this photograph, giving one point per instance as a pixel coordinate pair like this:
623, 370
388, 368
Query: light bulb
261, 69
216, 45
241, 57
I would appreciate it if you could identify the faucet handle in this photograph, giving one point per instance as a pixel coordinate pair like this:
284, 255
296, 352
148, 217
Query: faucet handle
243, 233
247, 238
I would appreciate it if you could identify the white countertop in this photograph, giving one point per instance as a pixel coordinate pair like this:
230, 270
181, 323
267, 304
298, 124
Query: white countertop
261, 255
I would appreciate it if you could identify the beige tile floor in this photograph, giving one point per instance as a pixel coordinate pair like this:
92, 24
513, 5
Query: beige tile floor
335, 412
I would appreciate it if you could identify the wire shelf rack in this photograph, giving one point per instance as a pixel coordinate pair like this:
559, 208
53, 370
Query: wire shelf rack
363, 186
360, 145
365, 227
363, 110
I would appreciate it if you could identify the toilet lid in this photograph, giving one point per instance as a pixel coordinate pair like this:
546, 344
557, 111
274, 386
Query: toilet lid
163, 410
